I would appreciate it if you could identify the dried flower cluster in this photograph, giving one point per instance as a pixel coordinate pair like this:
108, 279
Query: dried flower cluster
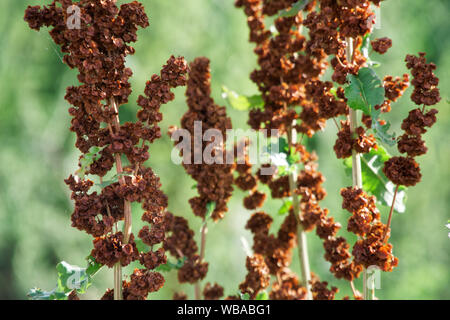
345, 143
97, 50
295, 100
213, 180
370, 249
381, 45
405, 170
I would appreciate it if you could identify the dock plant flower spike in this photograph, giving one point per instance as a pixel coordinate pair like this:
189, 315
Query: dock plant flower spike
314, 69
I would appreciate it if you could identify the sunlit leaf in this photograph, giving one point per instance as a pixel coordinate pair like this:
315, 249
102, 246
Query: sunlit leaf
295, 8
375, 182
365, 91
69, 278
382, 134
210, 207
285, 207
171, 265
245, 296
241, 102
262, 296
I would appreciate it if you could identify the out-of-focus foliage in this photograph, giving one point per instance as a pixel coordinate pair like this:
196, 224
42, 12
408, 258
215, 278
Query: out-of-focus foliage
37, 150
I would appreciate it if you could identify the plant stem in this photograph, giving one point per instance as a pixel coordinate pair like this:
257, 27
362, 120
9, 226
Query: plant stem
126, 206
356, 158
388, 224
301, 234
204, 231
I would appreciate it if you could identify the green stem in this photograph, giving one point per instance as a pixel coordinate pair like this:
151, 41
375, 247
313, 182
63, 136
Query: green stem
302, 244
388, 224
356, 157
204, 231
126, 206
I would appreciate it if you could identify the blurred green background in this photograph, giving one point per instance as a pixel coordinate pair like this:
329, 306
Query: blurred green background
37, 150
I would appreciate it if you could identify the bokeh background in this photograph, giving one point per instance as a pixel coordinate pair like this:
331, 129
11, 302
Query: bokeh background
37, 153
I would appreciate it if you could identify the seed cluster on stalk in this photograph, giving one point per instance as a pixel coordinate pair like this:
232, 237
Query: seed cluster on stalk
405, 170
296, 99
213, 180
97, 49
290, 68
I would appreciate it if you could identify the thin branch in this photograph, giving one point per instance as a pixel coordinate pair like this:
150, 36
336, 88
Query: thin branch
337, 125
355, 292
356, 158
388, 224
204, 231
126, 204
301, 234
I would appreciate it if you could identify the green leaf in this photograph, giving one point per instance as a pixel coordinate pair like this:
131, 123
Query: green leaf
38, 294
87, 159
280, 156
365, 91
333, 91
69, 278
171, 266
285, 207
382, 134
114, 179
72, 277
240, 102
365, 46
245, 296
293, 157
93, 266
374, 64
210, 207
106, 183
375, 182
295, 8
140, 245
262, 296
